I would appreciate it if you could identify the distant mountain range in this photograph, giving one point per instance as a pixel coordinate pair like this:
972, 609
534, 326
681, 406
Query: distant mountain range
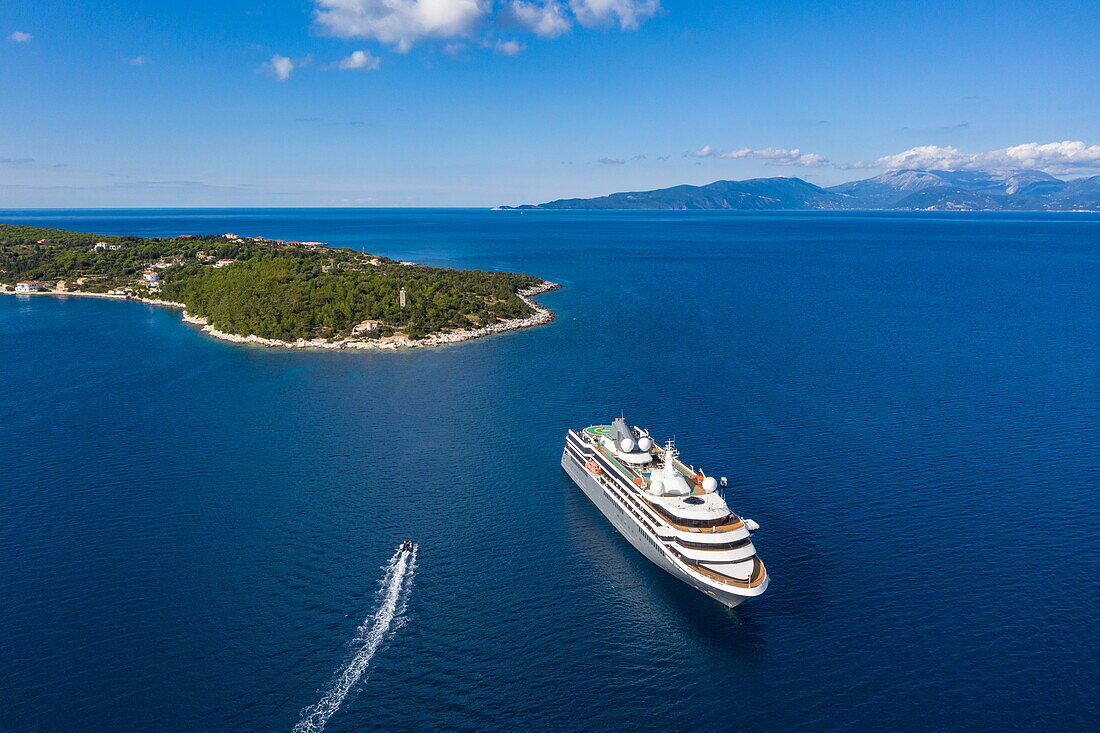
905, 190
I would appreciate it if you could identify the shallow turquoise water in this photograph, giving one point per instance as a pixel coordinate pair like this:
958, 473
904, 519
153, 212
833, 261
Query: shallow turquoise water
192, 531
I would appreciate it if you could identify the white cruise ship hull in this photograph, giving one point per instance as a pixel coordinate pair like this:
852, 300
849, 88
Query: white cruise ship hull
635, 535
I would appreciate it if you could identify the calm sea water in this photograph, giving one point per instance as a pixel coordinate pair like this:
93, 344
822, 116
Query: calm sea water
192, 532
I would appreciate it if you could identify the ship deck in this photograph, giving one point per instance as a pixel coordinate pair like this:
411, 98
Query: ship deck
755, 579
634, 474
638, 475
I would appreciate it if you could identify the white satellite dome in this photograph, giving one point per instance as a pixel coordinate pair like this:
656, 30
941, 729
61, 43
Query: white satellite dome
627, 444
645, 443
656, 486
710, 483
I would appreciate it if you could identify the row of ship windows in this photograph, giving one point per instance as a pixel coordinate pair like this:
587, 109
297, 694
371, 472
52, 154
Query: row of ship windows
619, 503
685, 522
615, 491
690, 522
685, 543
723, 546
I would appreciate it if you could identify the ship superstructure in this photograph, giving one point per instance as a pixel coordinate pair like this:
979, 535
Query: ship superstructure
672, 513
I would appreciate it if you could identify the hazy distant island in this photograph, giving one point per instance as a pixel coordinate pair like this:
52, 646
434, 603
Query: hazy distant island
903, 190
273, 292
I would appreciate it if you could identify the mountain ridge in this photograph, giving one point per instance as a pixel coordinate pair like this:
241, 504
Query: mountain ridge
896, 190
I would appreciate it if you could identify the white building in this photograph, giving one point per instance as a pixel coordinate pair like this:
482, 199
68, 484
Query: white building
223, 263
29, 286
150, 276
367, 327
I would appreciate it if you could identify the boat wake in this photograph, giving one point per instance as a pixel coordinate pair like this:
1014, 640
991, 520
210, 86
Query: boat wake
393, 593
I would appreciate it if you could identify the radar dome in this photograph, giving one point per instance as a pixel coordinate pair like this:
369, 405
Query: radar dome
627, 444
710, 483
656, 486
644, 443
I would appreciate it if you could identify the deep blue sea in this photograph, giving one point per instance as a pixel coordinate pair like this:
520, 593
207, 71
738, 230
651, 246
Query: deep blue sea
192, 532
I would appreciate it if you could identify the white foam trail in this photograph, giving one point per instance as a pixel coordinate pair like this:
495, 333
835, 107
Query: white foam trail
395, 583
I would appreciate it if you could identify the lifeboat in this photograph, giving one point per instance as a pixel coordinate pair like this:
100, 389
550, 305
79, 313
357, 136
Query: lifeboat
593, 468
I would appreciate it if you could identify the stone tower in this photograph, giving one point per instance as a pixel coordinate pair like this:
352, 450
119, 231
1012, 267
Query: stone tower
404, 298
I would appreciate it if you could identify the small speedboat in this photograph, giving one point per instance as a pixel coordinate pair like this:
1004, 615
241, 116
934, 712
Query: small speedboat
408, 546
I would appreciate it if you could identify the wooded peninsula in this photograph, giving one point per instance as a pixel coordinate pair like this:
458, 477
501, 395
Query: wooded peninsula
272, 291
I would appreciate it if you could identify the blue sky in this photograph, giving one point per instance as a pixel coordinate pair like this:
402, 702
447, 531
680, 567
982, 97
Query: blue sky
475, 103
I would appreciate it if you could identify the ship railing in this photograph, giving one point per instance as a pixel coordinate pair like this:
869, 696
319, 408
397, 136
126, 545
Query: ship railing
756, 577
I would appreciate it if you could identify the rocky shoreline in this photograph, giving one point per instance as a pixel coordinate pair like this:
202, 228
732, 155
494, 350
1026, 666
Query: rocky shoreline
390, 343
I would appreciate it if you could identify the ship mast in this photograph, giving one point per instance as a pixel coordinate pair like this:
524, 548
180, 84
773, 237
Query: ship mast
669, 469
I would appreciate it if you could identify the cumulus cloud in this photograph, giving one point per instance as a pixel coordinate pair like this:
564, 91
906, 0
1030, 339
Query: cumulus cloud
508, 48
403, 23
364, 60
548, 19
400, 23
774, 156
629, 14
279, 67
1056, 157
20, 37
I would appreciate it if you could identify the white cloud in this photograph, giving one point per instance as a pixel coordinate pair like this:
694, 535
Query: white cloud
630, 14
508, 48
780, 156
403, 23
279, 67
548, 19
1056, 157
774, 156
364, 60
612, 161
138, 61
20, 37
400, 23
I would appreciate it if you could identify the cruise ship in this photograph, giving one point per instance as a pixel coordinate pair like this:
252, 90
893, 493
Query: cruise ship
671, 512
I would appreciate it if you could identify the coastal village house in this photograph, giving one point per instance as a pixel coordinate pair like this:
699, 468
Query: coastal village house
366, 327
150, 276
29, 286
223, 263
